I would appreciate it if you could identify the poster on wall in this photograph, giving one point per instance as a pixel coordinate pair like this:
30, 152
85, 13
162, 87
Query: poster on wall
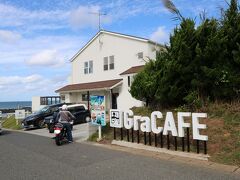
98, 110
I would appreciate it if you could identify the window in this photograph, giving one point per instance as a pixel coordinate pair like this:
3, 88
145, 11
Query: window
85, 67
108, 65
111, 63
105, 63
129, 81
49, 100
84, 97
88, 67
63, 98
140, 55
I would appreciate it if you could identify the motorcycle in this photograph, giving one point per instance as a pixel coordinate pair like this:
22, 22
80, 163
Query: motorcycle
60, 133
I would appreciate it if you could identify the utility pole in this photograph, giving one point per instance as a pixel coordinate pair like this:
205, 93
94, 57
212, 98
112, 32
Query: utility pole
99, 14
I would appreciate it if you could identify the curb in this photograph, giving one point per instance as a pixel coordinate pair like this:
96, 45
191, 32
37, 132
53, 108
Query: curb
161, 150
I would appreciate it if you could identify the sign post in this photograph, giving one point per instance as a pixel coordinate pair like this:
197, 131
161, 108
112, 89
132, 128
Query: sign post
19, 115
99, 132
98, 113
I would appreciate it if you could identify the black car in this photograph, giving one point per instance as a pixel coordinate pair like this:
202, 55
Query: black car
80, 111
37, 119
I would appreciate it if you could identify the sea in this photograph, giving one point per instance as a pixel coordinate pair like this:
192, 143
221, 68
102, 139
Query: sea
15, 104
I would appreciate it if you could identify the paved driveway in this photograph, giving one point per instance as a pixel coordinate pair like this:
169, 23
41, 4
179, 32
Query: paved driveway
80, 132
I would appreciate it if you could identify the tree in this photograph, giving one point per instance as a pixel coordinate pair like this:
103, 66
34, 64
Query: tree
144, 85
201, 62
229, 61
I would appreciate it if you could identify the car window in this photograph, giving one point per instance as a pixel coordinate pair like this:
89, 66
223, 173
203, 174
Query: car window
53, 109
45, 109
76, 109
72, 110
80, 108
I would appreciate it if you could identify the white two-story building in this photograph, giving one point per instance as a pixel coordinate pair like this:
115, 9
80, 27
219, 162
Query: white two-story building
106, 66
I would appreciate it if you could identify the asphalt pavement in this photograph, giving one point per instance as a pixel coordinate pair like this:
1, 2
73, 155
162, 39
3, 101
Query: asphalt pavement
31, 157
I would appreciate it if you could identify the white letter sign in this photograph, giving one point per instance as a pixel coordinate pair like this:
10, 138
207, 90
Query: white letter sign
170, 125
128, 122
181, 123
145, 125
154, 116
197, 126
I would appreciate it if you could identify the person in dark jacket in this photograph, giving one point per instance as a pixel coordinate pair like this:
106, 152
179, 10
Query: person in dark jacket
65, 117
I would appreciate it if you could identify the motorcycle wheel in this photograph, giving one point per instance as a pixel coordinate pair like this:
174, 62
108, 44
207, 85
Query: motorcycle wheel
58, 140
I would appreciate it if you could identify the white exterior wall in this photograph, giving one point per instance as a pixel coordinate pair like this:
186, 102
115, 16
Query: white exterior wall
124, 50
125, 99
36, 103
125, 56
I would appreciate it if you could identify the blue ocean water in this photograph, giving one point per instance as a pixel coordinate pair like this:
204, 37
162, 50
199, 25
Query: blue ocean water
15, 104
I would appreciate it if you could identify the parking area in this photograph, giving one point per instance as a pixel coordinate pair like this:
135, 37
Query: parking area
80, 132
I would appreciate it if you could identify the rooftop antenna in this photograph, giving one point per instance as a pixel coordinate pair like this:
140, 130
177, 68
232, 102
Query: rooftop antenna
99, 14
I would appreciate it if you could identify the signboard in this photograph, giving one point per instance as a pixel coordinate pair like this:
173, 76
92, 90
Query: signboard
149, 124
115, 118
97, 106
20, 114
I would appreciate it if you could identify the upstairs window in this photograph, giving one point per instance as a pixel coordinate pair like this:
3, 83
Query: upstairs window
88, 67
140, 55
108, 63
111, 62
105, 63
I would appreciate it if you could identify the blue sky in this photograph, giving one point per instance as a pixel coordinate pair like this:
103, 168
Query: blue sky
38, 37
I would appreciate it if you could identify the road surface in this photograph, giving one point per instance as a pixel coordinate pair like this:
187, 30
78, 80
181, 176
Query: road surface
31, 157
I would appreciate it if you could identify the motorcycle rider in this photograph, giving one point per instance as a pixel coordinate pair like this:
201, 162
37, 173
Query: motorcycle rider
65, 117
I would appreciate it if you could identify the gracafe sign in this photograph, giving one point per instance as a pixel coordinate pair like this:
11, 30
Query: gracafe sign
119, 119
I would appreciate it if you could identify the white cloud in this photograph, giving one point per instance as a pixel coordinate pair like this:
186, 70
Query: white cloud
160, 35
11, 16
86, 16
32, 78
17, 80
9, 36
24, 87
45, 58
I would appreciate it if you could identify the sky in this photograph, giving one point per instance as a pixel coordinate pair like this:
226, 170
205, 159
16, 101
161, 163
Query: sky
39, 37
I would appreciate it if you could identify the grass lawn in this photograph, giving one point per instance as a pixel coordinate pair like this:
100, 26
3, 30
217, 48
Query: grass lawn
10, 123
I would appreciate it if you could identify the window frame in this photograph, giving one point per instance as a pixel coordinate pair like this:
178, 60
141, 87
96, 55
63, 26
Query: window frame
84, 97
129, 81
88, 67
111, 62
140, 55
105, 63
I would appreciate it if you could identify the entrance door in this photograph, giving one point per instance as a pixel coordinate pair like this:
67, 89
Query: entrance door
114, 100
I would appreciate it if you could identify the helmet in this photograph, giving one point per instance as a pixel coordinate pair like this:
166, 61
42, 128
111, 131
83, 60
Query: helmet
64, 107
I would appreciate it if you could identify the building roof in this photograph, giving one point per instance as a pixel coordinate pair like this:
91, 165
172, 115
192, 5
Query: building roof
115, 34
133, 70
100, 85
